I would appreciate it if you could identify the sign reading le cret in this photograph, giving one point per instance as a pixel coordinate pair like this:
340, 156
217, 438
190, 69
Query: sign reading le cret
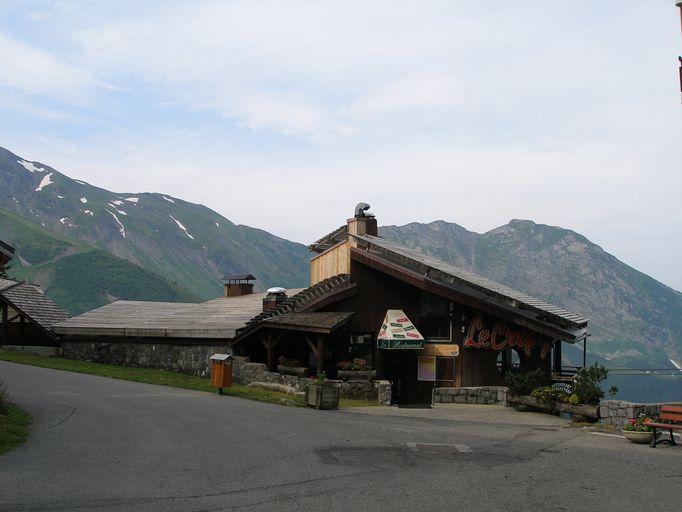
501, 337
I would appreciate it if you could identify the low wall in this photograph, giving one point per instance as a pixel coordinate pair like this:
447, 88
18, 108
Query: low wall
34, 349
619, 412
490, 395
245, 372
189, 359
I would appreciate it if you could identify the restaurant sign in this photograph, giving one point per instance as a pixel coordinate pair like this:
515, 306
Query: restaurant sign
397, 332
500, 337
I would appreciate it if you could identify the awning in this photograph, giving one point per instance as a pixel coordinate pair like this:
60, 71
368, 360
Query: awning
397, 332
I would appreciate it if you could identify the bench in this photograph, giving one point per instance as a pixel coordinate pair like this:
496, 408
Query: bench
670, 419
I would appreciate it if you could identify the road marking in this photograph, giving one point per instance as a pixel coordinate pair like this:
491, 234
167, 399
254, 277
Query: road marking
462, 448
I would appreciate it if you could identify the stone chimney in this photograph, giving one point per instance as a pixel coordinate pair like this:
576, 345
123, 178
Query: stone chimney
238, 284
275, 296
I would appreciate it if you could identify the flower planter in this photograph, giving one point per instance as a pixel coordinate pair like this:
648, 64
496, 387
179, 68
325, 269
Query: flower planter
322, 396
639, 437
357, 374
298, 371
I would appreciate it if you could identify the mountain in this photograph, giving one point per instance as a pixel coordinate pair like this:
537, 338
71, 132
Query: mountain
176, 249
635, 321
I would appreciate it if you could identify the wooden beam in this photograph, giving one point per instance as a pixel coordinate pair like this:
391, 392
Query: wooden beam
4, 327
313, 347
319, 355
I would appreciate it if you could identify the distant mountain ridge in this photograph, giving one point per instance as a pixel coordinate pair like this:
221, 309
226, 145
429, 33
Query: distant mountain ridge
633, 317
186, 247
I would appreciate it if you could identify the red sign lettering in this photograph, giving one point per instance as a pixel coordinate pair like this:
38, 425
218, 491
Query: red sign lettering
502, 337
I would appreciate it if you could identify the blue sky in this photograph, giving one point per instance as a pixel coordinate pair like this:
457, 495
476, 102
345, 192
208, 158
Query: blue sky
476, 112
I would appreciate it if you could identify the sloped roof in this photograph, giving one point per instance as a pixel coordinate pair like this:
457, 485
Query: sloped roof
305, 300
218, 318
6, 252
483, 287
239, 277
30, 301
326, 321
338, 235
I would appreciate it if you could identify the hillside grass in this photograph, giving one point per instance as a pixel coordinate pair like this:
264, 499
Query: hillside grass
163, 378
14, 424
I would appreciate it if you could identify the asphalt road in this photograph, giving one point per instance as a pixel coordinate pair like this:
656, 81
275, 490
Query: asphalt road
102, 444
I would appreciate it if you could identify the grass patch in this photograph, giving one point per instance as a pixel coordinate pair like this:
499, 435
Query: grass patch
162, 378
14, 424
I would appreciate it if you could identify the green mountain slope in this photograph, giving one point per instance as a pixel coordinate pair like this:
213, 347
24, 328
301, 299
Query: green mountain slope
77, 276
184, 243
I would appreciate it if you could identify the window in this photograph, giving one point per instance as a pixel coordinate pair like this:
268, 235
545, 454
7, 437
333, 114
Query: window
434, 317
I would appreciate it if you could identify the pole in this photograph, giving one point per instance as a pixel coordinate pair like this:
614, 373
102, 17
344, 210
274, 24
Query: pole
584, 351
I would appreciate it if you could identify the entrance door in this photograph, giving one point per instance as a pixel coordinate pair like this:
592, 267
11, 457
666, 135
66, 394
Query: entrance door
401, 370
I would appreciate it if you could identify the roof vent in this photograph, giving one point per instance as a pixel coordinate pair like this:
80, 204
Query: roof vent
276, 290
274, 297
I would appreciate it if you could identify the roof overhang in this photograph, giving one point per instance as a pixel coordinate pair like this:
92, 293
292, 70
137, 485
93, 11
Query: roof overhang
457, 293
317, 322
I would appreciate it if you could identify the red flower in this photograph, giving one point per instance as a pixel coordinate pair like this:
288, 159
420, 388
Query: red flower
633, 422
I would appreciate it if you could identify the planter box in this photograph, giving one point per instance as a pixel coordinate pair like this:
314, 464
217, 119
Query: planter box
298, 371
323, 396
639, 437
357, 374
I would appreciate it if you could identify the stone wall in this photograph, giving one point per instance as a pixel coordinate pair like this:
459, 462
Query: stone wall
189, 359
490, 395
618, 412
245, 373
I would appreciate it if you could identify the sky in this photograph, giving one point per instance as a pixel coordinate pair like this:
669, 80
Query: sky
283, 115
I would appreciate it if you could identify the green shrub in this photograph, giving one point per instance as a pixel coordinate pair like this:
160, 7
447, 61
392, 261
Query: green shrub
523, 383
548, 395
587, 384
572, 399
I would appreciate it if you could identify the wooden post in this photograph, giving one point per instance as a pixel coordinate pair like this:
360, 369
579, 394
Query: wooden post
557, 359
269, 342
585, 352
4, 328
319, 361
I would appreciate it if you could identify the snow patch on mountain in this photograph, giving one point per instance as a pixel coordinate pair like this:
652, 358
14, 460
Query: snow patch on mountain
88, 212
181, 226
63, 220
676, 365
117, 202
60, 197
84, 200
121, 227
30, 167
168, 199
132, 199
47, 180
217, 225
80, 182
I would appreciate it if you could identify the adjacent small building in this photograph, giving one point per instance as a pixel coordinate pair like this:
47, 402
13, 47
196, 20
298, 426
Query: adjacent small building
27, 316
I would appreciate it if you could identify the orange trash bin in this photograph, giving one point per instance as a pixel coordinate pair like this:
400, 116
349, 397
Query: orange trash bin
221, 371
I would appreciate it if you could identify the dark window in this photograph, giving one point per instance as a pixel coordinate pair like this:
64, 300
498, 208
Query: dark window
434, 317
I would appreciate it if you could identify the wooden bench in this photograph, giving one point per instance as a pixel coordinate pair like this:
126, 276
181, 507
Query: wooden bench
670, 419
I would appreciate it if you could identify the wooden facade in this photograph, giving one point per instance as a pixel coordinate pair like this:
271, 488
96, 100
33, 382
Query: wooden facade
475, 330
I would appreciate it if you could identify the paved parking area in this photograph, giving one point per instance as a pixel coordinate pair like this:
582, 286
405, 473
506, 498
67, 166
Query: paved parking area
106, 445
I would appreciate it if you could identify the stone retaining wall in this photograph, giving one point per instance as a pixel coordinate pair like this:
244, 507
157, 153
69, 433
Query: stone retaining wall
245, 373
618, 412
189, 359
490, 395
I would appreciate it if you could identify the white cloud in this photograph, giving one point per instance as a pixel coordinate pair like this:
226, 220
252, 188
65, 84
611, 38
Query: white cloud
39, 73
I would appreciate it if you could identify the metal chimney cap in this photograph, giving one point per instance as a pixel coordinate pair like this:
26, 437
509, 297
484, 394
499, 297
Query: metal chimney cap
361, 210
276, 290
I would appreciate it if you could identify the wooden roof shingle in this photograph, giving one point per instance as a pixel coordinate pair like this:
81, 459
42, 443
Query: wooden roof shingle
30, 301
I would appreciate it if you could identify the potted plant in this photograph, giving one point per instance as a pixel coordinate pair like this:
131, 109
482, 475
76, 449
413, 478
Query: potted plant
321, 393
355, 369
637, 431
291, 367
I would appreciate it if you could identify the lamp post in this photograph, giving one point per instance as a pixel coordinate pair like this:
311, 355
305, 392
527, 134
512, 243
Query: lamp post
679, 5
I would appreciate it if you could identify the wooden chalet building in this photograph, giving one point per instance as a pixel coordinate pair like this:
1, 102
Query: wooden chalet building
27, 316
418, 322
374, 309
